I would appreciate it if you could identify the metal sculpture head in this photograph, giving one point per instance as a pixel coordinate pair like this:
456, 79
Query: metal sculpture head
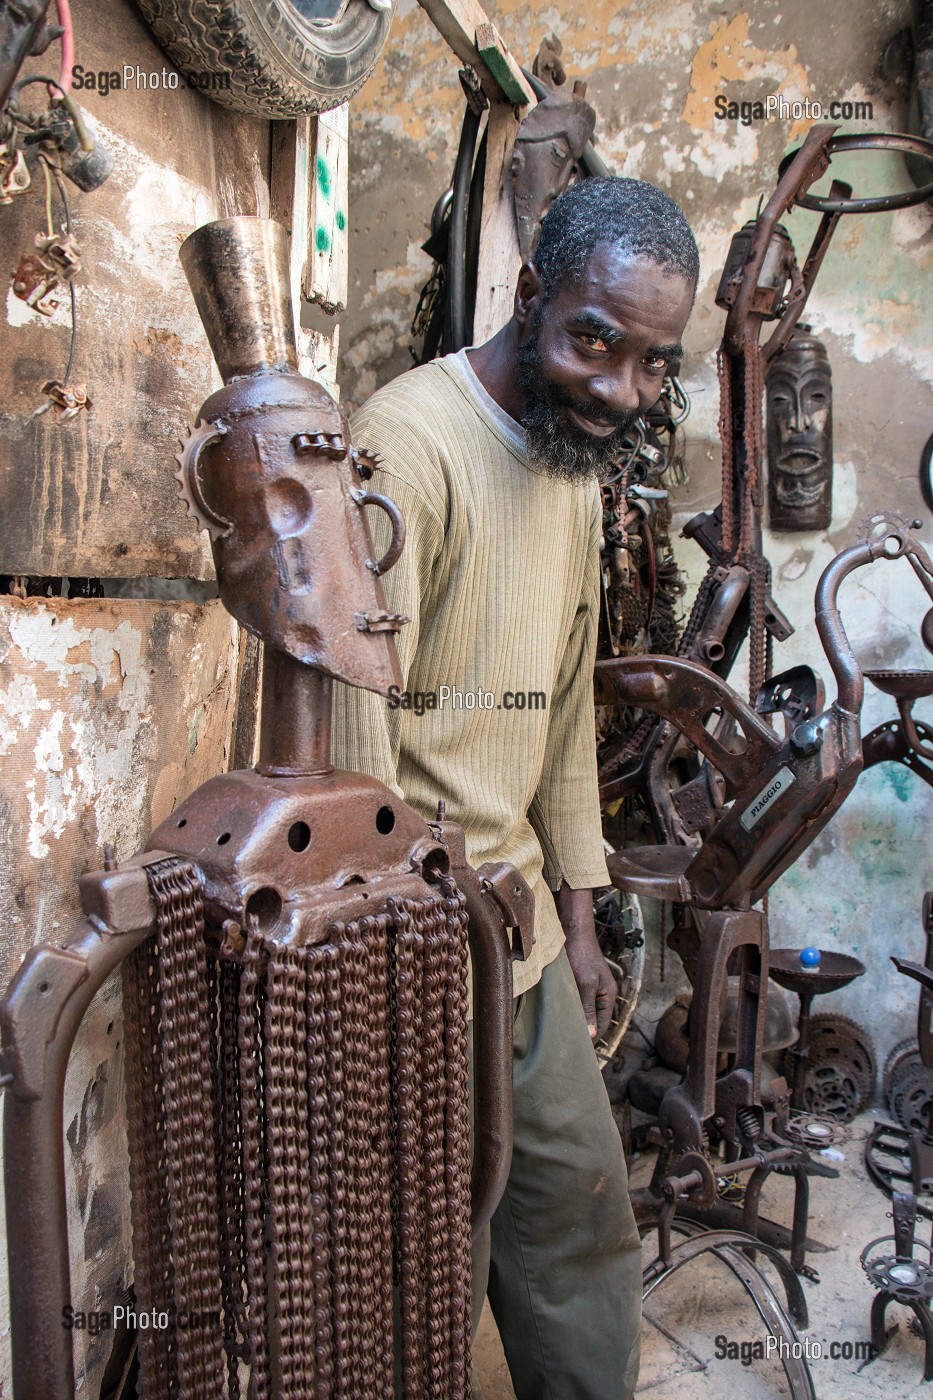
551, 140
270, 474
799, 395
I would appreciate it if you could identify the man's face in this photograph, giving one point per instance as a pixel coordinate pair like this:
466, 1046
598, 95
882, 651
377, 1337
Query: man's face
594, 357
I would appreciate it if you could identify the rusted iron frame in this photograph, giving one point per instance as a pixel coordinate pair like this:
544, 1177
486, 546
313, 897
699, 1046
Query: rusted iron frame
731, 1247
679, 691
40, 1016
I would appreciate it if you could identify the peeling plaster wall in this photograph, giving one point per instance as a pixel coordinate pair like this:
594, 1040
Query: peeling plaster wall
654, 69
111, 712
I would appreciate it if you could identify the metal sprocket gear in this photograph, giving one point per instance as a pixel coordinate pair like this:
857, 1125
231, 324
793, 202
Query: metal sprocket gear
871, 526
911, 1095
189, 483
831, 1092
841, 1069
904, 1051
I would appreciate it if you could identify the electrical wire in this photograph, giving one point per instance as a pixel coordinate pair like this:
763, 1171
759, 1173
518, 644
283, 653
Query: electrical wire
52, 170
50, 228
68, 46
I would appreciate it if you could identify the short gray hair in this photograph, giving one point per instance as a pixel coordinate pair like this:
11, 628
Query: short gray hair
631, 214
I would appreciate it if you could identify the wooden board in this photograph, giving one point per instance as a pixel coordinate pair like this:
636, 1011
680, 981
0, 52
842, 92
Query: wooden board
96, 497
458, 22
499, 257
325, 280
295, 148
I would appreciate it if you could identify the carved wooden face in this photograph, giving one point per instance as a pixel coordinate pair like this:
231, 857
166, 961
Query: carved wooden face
800, 437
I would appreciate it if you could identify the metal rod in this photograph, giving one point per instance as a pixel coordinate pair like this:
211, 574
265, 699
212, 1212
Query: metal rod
295, 724
492, 1056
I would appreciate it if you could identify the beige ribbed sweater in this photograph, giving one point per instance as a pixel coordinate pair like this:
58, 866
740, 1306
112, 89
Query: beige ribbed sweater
500, 578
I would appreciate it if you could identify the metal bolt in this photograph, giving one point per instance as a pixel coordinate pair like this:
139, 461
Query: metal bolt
806, 739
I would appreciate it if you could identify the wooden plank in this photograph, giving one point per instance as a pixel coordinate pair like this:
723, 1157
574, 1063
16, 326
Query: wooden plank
294, 144
499, 256
496, 58
458, 22
326, 275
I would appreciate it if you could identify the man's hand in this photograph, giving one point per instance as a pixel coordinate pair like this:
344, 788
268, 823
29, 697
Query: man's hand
592, 974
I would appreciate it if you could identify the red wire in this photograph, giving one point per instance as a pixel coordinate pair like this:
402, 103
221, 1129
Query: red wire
68, 44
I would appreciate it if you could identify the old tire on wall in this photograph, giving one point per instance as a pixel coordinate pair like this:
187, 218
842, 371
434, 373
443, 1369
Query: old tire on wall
277, 61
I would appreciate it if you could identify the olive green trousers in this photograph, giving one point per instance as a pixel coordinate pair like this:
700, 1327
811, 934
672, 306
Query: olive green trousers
561, 1261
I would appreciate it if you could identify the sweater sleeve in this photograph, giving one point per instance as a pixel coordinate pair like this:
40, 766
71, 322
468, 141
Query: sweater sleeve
366, 729
565, 809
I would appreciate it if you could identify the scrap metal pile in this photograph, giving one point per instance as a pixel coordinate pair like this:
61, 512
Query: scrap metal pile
731, 802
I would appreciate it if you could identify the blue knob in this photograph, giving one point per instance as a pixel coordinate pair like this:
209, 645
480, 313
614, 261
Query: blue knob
810, 958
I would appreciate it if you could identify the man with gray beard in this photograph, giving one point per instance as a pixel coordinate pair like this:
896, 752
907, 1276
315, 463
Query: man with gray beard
494, 457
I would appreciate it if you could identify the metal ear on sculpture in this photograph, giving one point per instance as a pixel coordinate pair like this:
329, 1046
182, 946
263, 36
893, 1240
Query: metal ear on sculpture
189, 486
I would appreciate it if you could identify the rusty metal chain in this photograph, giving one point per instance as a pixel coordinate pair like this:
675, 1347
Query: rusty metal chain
292, 1305
249, 1036
319, 969
228, 1133
457, 1136
299, 1123
170, 1113
406, 1119
187, 1086
146, 1138
724, 372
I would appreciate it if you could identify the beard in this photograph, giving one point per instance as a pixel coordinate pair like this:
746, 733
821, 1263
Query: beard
555, 445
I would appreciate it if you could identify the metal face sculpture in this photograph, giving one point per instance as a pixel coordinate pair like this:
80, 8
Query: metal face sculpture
270, 475
799, 395
551, 140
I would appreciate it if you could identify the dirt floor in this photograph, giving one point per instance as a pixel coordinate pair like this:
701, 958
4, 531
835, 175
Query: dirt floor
689, 1311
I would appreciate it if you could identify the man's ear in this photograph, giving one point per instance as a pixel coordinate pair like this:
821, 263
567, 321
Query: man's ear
528, 293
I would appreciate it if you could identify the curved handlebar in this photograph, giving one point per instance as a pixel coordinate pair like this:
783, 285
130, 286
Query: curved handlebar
893, 544
872, 204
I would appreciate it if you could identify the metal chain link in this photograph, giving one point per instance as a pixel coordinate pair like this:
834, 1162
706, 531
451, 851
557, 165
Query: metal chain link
300, 1118
148, 1179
